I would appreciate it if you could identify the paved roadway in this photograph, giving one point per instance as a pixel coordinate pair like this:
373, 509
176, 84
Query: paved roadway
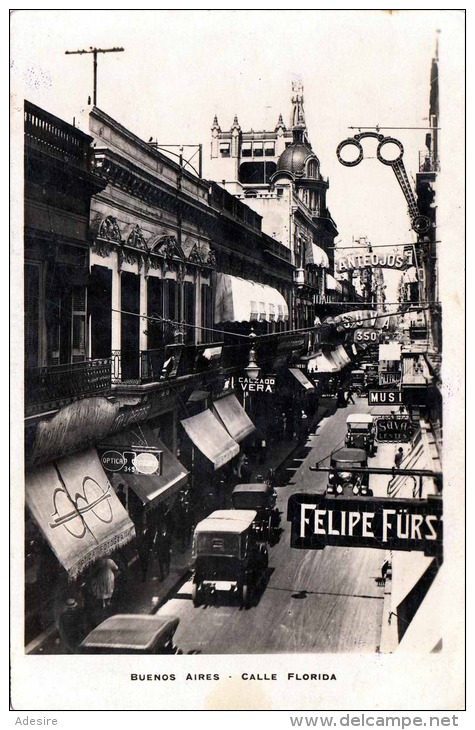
314, 601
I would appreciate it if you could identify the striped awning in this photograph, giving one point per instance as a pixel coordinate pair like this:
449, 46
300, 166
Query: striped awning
241, 300
316, 256
332, 283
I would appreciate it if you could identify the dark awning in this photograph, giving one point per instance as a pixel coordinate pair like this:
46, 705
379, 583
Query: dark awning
234, 417
211, 438
77, 510
151, 489
302, 378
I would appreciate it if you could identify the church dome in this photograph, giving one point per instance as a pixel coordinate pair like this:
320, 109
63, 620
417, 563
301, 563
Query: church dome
296, 157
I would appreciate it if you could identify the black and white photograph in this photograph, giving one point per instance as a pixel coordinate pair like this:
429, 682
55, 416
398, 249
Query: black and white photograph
237, 269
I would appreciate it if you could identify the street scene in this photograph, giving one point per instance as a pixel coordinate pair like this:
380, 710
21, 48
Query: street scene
234, 400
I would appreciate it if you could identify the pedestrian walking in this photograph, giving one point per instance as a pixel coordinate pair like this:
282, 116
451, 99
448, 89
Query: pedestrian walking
349, 396
398, 457
145, 536
263, 451
103, 580
121, 496
72, 625
164, 548
246, 471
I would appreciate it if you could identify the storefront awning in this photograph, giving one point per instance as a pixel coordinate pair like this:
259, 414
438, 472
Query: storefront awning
211, 438
429, 625
316, 256
151, 489
234, 418
240, 300
197, 396
76, 508
302, 379
322, 364
340, 356
410, 276
332, 283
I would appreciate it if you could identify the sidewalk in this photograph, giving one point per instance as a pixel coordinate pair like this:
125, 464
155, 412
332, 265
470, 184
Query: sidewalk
139, 596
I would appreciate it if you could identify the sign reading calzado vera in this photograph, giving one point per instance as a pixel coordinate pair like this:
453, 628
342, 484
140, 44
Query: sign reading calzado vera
386, 524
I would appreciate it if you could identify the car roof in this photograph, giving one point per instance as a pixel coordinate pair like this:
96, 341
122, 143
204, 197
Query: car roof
129, 631
349, 455
257, 487
227, 520
357, 372
360, 418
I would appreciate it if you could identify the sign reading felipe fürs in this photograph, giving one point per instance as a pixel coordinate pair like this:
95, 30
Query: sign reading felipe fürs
385, 524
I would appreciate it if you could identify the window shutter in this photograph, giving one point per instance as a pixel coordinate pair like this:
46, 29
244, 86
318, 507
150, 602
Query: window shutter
78, 323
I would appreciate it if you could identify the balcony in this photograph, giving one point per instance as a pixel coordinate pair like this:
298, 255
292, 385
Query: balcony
49, 388
52, 136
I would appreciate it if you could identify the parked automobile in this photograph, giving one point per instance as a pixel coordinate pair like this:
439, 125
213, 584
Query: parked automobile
360, 432
341, 478
228, 555
132, 634
260, 497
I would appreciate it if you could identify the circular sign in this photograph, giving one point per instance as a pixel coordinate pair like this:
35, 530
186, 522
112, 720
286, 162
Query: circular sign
146, 463
112, 461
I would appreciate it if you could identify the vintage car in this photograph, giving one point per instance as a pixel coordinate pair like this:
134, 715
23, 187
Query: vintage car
260, 497
228, 556
358, 382
341, 478
360, 432
130, 633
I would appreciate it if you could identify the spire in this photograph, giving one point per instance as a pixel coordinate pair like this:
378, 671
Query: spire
298, 114
215, 124
235, 124
280, 124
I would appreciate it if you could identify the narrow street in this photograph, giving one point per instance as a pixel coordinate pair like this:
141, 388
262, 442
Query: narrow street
314, 601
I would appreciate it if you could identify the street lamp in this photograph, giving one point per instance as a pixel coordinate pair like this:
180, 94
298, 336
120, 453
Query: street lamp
252, 370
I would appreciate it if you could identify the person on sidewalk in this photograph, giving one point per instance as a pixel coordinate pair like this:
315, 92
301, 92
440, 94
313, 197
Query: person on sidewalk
164, 547
399, 457
71, 625
100, 589
263, 451
246, 471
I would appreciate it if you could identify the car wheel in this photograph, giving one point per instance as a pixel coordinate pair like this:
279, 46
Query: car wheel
245, 595
196, 594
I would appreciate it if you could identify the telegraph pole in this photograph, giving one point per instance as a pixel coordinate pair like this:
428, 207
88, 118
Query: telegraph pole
95, 51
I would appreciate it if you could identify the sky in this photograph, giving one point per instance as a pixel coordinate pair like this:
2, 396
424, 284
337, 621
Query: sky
359, 68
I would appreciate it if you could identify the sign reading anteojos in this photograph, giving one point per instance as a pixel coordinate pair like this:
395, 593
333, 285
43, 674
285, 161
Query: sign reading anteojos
384, 260
387, 524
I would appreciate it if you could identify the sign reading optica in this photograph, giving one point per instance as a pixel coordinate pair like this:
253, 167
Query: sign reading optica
140, 461
385, 524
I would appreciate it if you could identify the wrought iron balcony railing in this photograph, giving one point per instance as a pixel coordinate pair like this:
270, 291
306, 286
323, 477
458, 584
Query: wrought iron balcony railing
50, 387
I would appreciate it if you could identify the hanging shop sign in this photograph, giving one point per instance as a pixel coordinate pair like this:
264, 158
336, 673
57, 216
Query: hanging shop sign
384, 397
136, 460
363, 319
366, 336
257, 385
394, 428
384, 524
400, 261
